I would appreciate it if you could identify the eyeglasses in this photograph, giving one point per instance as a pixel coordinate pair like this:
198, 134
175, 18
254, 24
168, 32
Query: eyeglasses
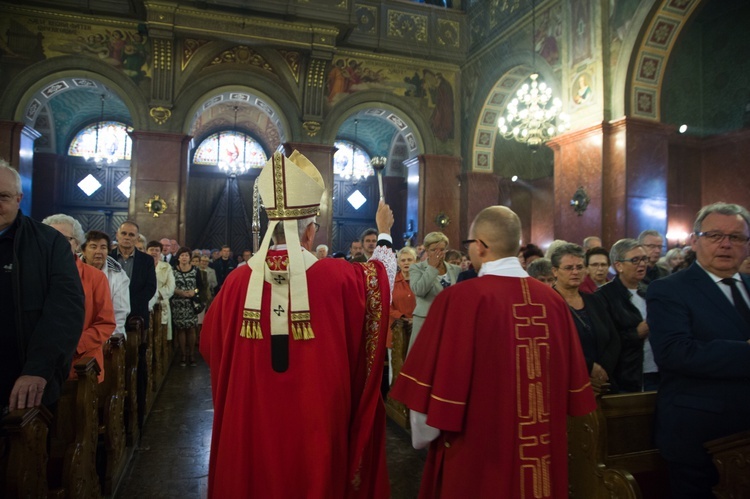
635, 260
317, 227
598, 265
468, 242
571, 268
715, 237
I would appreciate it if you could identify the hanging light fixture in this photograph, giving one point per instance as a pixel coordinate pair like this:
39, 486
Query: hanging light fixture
105, 151
533, 116
232, 159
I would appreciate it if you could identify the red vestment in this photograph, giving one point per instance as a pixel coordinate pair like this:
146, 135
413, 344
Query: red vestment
498, 375
316, 430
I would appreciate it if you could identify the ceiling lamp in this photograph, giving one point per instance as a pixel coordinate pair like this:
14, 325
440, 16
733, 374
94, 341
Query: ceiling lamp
533, 116
232, 158
105, 151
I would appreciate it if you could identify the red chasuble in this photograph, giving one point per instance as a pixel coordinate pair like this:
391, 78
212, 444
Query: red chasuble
497, 367
316, 430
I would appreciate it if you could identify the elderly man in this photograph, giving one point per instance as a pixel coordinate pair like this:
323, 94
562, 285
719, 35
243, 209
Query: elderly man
95, 252
700, 333
42, 311
592, 242
99, 321
139, 268
653, 242
296, 348
490, 383
166, 250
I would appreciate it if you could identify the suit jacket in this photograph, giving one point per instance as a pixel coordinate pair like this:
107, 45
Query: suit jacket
605, 332
700, 344
142, 284
629, 371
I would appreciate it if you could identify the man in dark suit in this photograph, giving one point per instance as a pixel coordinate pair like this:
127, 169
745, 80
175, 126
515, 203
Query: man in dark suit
700, 333
140, 269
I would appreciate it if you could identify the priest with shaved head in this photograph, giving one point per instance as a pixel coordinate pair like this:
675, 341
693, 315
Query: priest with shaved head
490, 383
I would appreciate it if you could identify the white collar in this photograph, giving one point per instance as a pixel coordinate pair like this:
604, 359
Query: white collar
716, 278
508, 267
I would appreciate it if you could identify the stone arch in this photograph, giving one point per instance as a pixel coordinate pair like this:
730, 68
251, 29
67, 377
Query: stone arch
19, 94
189, 102
507, 78
283, 70
647, 65
359, 101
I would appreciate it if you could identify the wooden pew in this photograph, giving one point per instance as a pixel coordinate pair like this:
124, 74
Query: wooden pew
23, 453
401, 332
612, 453
731, 455
71, 471
145, 372
111, 459
133, 327
157, 350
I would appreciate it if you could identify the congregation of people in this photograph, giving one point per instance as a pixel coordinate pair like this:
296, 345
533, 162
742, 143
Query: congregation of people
506, 342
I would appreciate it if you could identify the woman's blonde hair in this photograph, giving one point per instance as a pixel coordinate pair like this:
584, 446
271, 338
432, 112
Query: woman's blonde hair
435, 237
407, 249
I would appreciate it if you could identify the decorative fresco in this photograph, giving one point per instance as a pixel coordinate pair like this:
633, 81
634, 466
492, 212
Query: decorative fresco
41, 38
433, 90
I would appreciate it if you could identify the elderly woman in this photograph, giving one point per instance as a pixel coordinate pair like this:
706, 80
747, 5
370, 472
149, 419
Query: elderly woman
541, 270
403, 300
672, 260
597, 265
164, 285
599, 339
625, 299
430, 277
187, 286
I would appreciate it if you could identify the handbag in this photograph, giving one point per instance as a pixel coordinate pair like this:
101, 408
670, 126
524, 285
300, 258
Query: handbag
198, 306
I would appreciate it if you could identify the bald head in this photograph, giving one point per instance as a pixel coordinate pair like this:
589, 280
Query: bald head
500, 229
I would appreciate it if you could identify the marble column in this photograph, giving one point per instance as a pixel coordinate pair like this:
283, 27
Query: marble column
578, 164
439, 193
159, 166
478, 191
634, 190
322, 157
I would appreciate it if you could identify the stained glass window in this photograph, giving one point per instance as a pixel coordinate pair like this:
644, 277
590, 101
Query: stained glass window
112, 141
342, 161
230, 147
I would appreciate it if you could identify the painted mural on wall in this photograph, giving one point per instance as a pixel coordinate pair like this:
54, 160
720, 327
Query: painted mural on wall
549, 30
433, 89
582, 92
42, 38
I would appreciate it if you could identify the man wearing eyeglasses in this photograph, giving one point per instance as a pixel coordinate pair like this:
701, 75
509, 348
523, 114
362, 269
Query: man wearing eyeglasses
700, 329
653, 243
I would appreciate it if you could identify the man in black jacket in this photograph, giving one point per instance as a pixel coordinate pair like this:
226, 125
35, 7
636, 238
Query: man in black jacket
223, 266
140, 269
41, 302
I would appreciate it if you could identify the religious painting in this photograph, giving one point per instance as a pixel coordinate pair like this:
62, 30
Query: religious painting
549, 29
581, 89
36, 39
581, 32
432, 90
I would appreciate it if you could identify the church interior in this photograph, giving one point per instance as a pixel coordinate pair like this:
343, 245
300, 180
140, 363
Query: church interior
165, 111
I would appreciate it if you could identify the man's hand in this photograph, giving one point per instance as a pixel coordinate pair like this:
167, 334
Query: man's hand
642, 329
27, 392
384, 218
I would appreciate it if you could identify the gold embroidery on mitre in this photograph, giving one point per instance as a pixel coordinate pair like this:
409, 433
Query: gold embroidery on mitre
250, 328
301, 326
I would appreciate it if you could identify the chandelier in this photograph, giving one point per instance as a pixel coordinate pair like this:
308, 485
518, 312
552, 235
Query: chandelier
357, 167
107, 153
232, 157
533, 116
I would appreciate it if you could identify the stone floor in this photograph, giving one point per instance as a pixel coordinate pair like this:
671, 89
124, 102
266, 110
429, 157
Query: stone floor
172, 458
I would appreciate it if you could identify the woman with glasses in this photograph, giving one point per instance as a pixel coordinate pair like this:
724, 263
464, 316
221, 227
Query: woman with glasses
597, 267
430, 277
626, 304
599, 339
